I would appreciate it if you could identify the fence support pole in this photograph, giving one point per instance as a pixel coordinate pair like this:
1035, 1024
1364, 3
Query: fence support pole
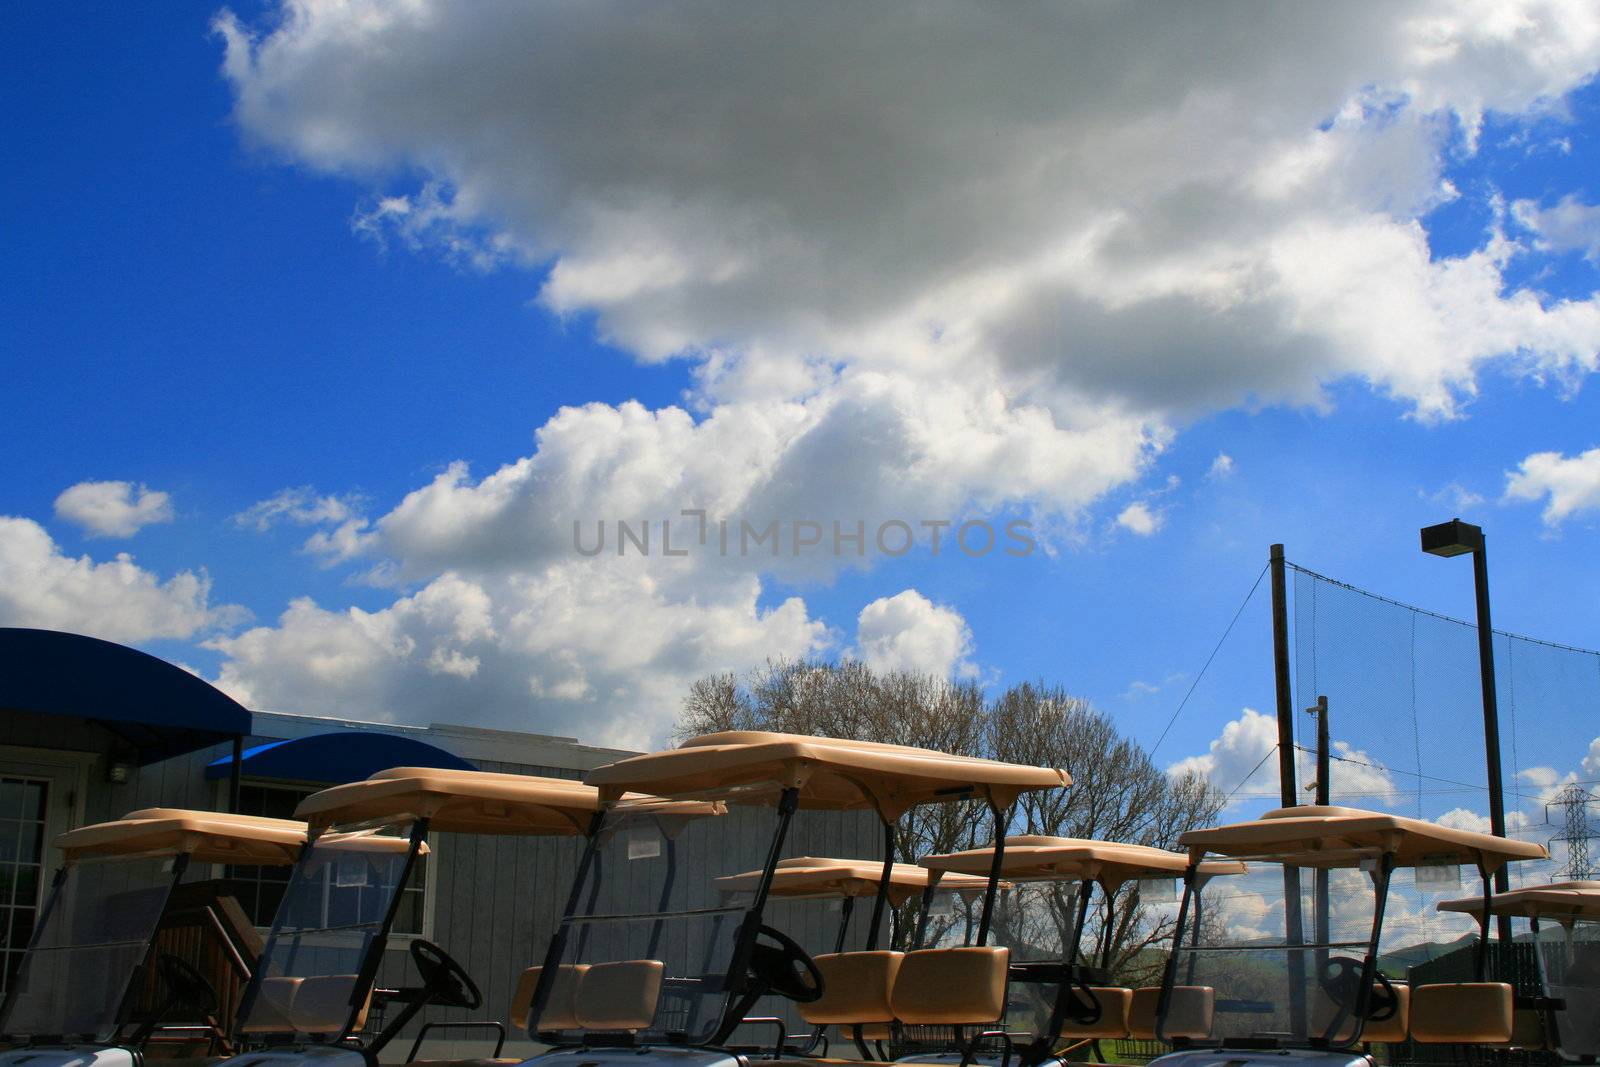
1294, 921
1324, 796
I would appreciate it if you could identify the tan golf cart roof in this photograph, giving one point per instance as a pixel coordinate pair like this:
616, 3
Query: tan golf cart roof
1318, 835
1578, 900
810, 876
1036, 858
751, 766
472, 802
208, 836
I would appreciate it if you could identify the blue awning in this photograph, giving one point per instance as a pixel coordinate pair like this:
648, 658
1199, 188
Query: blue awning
337, 757
156, 708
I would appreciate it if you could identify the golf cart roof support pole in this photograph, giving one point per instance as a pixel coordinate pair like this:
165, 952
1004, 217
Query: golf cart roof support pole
1369, 966
1169, 974
234, 771
882, 899
558, 941
846, 906
1481, 964
922, 913
1294, 923
1039, 1049
1002, 820
380, 941
750, 929
1107, 925
1320, 878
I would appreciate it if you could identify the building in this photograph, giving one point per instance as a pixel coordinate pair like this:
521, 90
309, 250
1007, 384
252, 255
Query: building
90, 730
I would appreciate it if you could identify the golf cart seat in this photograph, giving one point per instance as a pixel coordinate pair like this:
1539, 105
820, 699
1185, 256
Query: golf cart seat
271, 1012
618, 996
951, 986
1188, 1016
1462, 1013
561, 1011
856, 987
1116, 1005
321, 1005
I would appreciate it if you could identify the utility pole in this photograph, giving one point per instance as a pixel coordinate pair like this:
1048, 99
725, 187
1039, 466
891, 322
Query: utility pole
1324, 785
1288, 787
1576, 832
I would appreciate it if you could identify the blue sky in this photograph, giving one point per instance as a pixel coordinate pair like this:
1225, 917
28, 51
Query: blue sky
313, 270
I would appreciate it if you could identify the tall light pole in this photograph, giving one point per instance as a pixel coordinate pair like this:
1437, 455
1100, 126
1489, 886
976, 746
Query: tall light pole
1456, 538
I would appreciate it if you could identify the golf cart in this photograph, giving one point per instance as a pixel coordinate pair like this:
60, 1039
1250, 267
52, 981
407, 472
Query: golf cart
1564, 918
804, 882
101, 976
1245, 977
650, 968
1060, 993
317, 985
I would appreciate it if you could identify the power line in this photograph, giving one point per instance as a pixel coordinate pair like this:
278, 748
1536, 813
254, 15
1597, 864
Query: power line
1192, 685
1249, 776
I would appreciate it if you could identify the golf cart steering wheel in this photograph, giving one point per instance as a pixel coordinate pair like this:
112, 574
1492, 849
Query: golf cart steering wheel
785, 968
1341, 980
189, 987
447, 983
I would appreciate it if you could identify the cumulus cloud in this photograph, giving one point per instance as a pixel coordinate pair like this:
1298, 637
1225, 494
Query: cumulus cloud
42, 587
1114, 207
113, 509
1571, 484
343, 533
1568, 225
1140, 518
915, 280
1241, 759
1591, 761
600, 652
909, 632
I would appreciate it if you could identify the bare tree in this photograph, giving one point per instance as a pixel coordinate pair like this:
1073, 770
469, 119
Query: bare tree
1118, 793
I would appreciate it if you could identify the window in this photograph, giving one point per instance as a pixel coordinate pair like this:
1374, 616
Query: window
22, 834
260, 889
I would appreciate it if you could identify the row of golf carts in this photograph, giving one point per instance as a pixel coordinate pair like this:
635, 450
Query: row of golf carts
670, 949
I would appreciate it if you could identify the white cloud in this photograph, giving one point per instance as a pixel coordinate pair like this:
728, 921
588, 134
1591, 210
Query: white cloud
1572, 484
1454, 496
909, 632
302, 506
1570, 225
1221, 467
589, 649
1591, 762
1241, 759
915, 280
1238, 759
345, 532
1108, 208
113, 509
115, 599
1464, 819
1141, 519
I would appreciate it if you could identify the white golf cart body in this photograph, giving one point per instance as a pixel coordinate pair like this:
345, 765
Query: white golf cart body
1313, 994
98, 927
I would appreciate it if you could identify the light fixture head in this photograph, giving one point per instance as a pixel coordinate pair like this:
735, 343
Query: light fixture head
1453, 538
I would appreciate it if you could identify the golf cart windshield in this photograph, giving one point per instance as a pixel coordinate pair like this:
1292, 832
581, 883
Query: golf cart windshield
1569, 956
1259, 961
1239, 975
95, 933
91, 964
652, 937
335, 909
